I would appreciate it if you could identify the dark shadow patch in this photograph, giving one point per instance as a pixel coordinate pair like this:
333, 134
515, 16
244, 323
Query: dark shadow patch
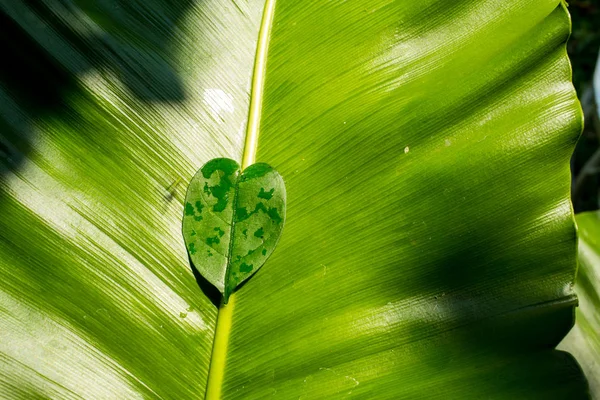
211, 292
30, 80
47, 45
37, 85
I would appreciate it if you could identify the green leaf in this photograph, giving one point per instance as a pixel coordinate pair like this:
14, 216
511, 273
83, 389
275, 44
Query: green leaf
429, 248
584, 339
232, 222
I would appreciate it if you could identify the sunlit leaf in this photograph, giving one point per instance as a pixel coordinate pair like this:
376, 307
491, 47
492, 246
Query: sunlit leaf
429, 248
584, 339
232, 221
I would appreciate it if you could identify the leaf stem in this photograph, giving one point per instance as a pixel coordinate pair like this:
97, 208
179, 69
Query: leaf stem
221, 340
258, 84
216, 370
227, 288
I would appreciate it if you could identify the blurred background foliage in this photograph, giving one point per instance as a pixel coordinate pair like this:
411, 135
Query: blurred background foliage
583, 50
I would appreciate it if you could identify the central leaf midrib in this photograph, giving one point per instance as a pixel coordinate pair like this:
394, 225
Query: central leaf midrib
225, 313
234, 201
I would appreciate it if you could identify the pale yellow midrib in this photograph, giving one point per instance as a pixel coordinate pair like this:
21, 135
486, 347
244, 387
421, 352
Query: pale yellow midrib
224, 317
258, 83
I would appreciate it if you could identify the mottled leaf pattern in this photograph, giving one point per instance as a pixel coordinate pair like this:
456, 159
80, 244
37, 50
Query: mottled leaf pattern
220, 204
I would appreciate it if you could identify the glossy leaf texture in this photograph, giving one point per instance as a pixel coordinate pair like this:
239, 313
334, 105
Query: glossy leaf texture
107, 109
232, 221
426, 152
584, 339
429, 248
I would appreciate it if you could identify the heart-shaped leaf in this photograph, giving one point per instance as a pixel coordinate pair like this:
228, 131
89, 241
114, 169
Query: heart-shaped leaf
232, 221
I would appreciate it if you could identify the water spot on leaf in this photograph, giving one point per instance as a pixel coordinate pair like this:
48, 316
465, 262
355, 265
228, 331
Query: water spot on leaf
259, 207
246, 268
266, 195
241, 214
189, 209
223, 198
223, 166
264, 252
199, 206
274, 214
212, 240
259, 233
192, 248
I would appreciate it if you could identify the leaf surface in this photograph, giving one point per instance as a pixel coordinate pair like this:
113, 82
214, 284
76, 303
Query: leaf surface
232, 221
429, 249
426, 153
106, 109
584, 339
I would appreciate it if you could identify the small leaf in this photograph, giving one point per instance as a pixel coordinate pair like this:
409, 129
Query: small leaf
232, 221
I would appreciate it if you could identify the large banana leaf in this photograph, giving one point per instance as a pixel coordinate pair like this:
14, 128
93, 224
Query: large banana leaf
584, 339
429, 248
